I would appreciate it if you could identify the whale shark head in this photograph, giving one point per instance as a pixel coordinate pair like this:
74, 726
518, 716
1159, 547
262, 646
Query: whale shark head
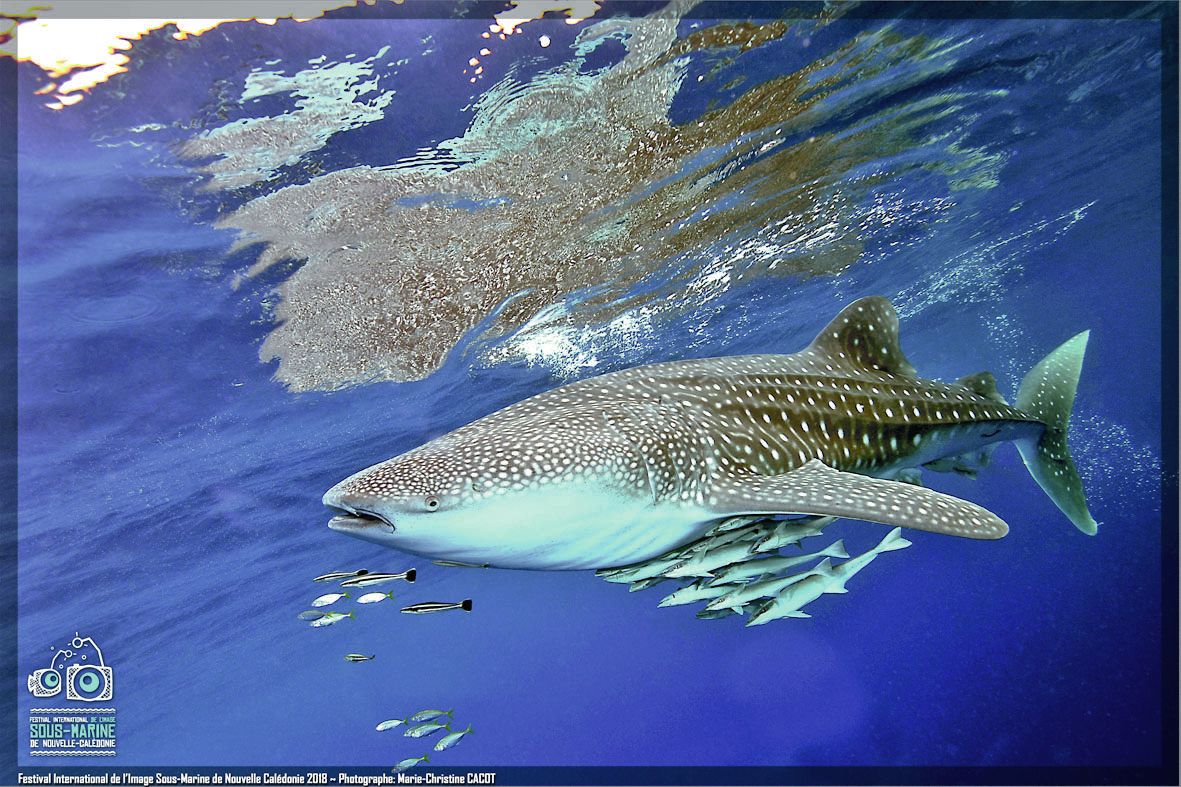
497, 492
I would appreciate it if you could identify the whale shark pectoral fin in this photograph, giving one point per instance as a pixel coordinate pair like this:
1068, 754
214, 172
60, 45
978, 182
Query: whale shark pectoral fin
817, 489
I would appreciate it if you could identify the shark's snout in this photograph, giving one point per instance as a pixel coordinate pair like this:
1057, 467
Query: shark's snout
355, 515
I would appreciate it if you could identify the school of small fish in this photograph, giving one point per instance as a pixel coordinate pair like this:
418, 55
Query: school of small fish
424, 724
736, 569
362, 578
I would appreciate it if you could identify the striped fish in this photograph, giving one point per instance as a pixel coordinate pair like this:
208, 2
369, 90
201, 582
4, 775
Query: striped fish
378, 579
438, 606
333, 575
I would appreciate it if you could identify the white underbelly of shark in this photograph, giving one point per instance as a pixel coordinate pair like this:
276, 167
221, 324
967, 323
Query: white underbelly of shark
568, 527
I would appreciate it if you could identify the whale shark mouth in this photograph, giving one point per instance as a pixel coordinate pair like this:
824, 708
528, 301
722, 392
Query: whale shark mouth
358, 520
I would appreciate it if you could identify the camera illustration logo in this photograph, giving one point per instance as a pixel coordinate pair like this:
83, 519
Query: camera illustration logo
84, 682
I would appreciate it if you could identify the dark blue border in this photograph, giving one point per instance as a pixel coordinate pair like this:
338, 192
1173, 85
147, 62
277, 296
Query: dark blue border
684, 775
1167, 773
8, 247
1170, 528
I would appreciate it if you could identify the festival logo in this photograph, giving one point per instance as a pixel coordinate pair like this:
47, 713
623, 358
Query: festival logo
81, 671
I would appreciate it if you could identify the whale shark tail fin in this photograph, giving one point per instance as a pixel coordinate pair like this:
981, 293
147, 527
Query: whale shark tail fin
1047, 393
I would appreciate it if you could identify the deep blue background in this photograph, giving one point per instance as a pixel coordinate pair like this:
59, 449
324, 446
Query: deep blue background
169, 490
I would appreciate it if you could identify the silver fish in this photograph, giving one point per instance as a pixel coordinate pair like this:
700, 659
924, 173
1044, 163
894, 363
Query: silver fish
409, 763
450, 740
311, 614
429, 715
330, 618
373, 598
358, 657
389, 724
328, 599
438, 606
422, 730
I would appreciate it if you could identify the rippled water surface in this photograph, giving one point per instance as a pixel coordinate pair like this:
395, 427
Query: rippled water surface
266, 257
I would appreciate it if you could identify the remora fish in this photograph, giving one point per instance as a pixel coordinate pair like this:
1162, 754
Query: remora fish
704, 563
788, 533
716, 614
771, 565
645, 571
823, 579
617, 469
340, 575
698, 591
739, 597
644, 584
358, 657
378, 579
438, 606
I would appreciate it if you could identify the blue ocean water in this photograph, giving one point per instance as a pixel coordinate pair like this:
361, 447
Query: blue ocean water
999, 180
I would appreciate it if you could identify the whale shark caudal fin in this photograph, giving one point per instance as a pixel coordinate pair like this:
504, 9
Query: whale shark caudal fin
818, 489
1047, 394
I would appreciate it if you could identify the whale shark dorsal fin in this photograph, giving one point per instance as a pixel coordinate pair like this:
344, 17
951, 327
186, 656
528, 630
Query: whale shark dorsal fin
982, 384
819, 490
865, 336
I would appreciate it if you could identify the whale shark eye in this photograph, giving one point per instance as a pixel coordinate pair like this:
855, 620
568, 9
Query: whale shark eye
432, 503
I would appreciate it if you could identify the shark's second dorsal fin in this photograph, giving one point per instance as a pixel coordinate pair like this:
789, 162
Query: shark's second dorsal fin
865, 336
982, 384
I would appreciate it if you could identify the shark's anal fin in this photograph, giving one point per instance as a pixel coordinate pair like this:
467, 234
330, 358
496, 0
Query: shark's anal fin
818, 489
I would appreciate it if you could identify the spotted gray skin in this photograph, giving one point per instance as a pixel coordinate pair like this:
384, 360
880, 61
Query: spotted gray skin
617, 469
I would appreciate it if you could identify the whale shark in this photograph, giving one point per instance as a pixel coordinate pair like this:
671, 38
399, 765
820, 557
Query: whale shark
617, 469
